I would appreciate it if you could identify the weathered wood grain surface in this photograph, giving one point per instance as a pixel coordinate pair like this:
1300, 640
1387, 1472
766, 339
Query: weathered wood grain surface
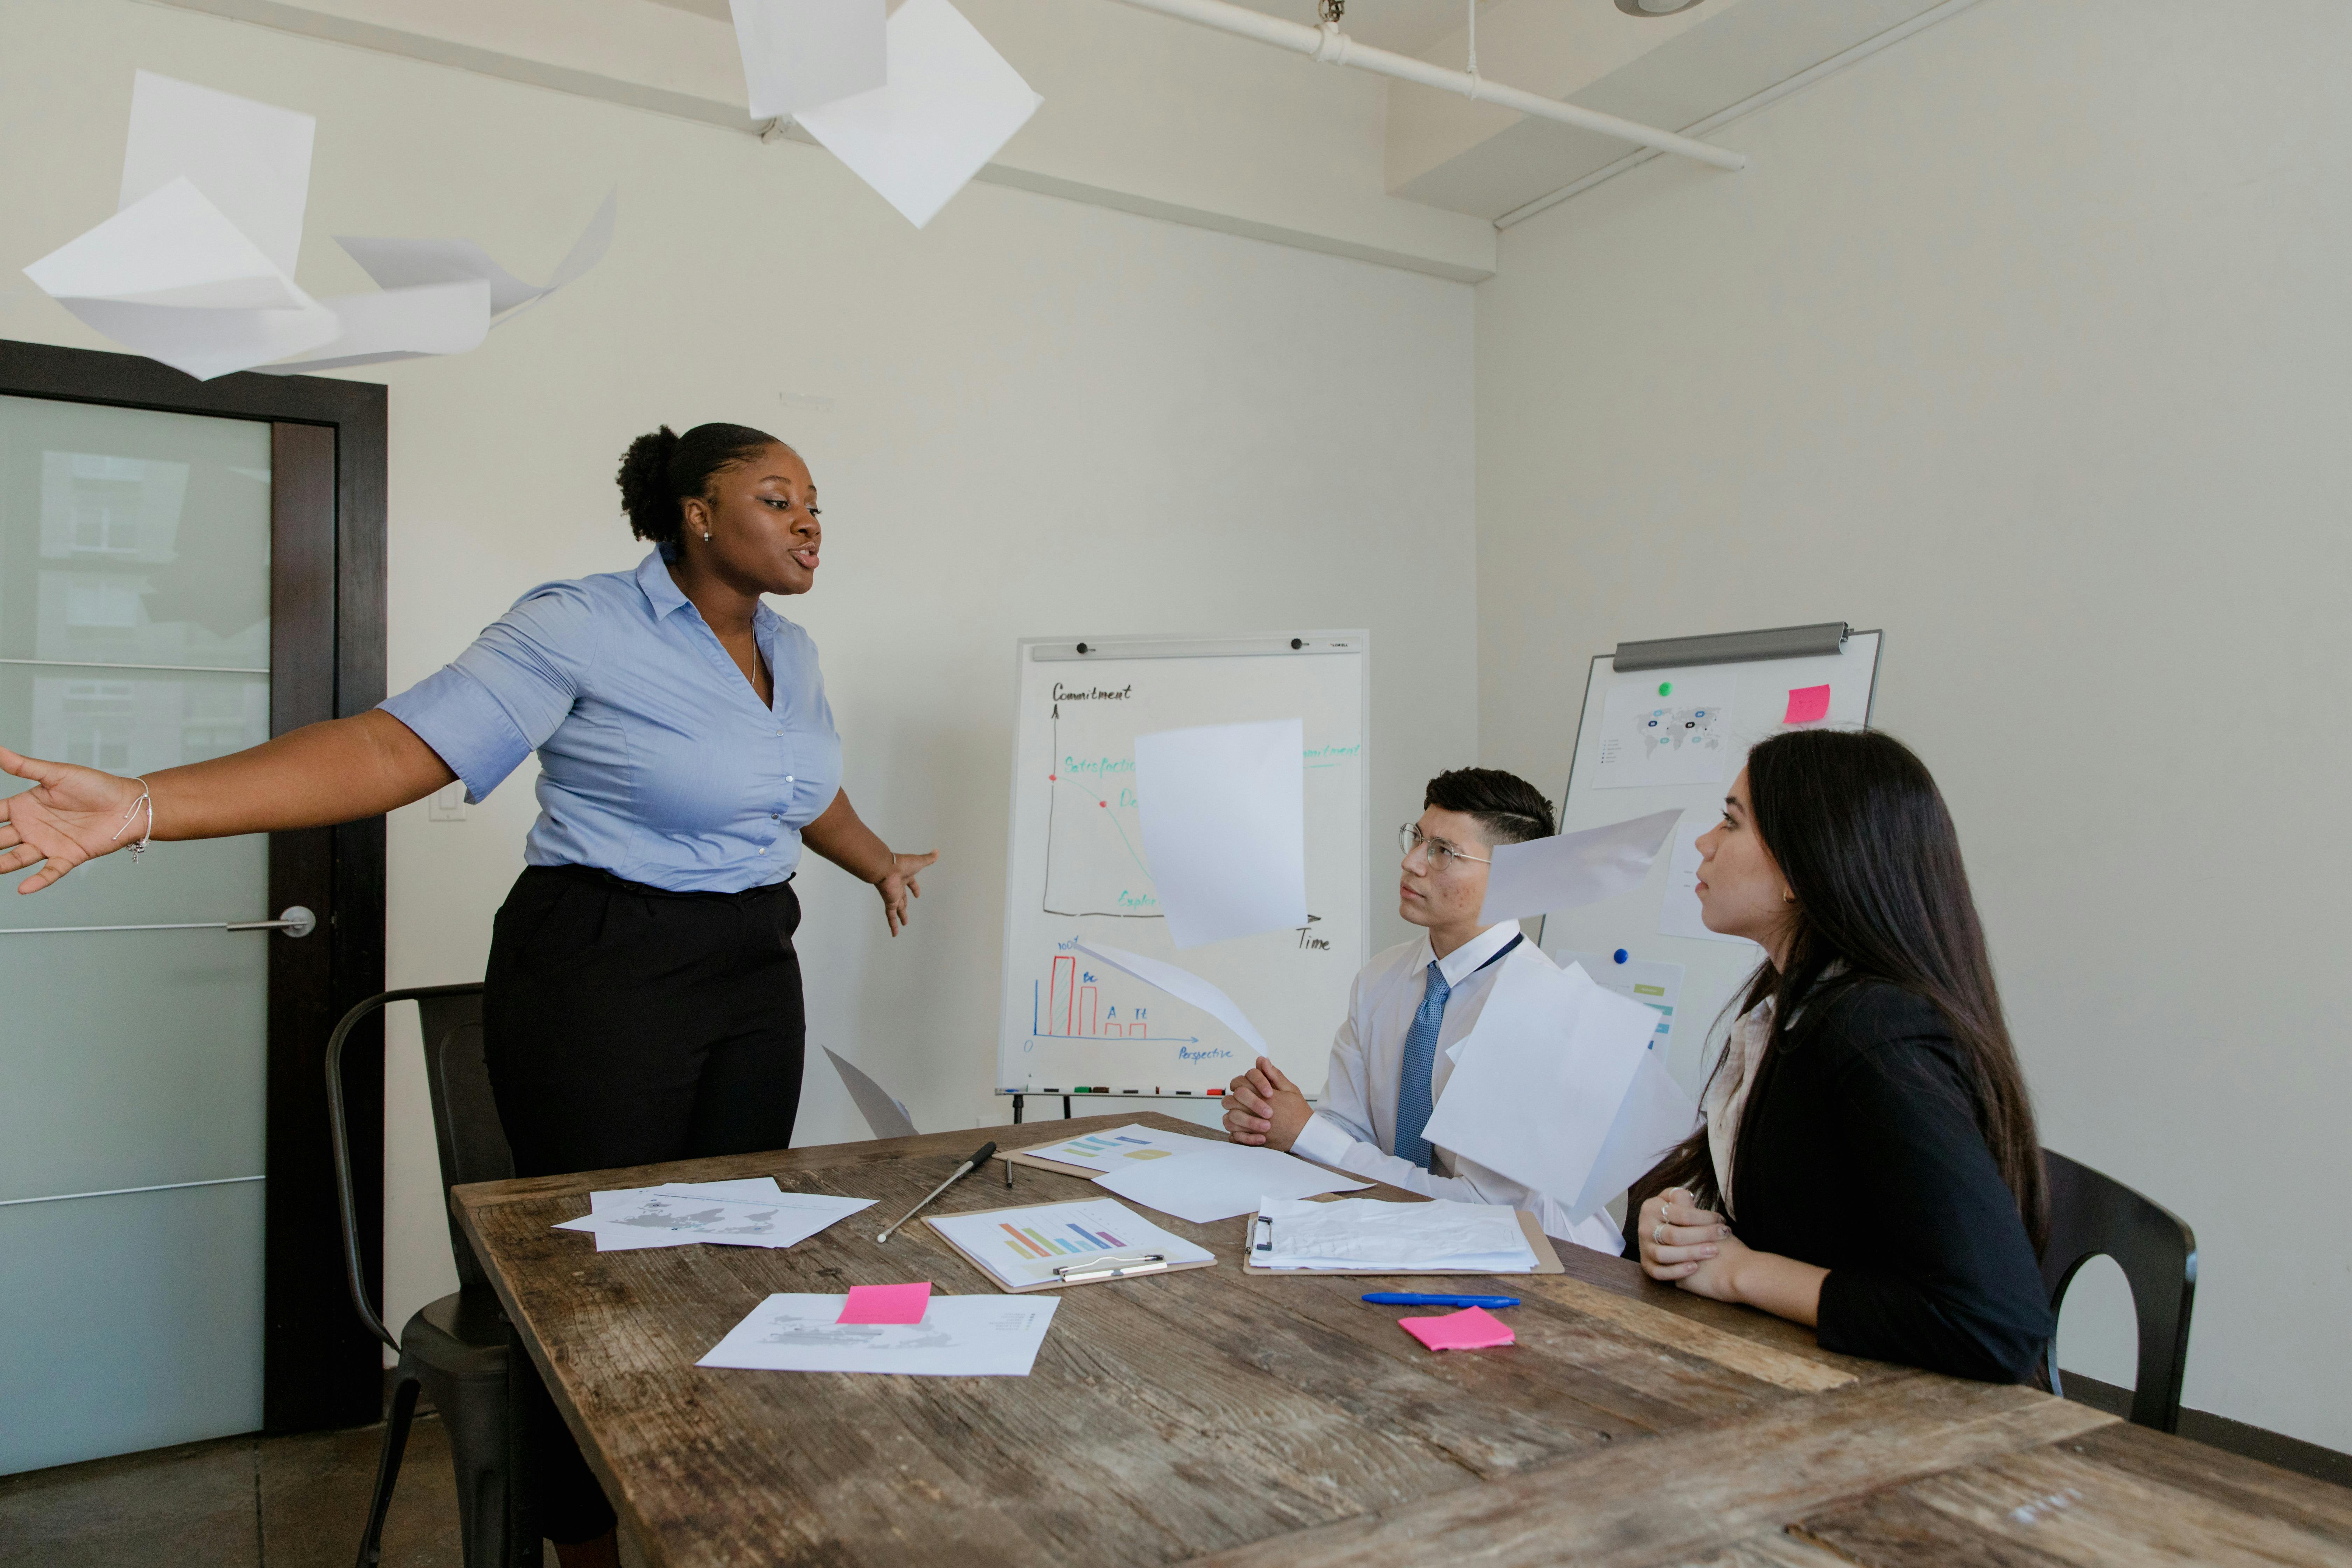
1283, 1421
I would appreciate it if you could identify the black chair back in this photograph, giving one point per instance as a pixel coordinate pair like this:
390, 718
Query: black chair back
473, 1145
465, 1117
2093, 1215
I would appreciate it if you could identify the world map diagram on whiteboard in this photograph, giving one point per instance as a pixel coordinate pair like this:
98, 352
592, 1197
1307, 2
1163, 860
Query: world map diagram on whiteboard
1080, 873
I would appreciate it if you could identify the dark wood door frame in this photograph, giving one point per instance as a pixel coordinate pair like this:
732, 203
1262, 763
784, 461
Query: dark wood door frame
319, 1367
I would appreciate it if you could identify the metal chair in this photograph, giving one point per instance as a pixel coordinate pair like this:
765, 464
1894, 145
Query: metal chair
2093, 1216
459, 1349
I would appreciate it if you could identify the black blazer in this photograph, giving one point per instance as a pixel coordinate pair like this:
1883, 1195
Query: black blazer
1862, 1155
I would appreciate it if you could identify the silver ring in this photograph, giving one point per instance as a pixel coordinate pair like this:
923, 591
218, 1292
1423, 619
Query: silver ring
1657, 1239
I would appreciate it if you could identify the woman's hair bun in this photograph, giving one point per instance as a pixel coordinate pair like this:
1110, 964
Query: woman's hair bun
646, 493
660, 470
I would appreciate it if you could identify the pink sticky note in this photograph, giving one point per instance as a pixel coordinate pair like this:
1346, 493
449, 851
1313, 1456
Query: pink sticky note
1472, 1329
886, 1303
1806, 704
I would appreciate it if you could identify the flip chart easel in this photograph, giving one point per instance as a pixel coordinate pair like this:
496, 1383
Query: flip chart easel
1069, 1026
1666, 723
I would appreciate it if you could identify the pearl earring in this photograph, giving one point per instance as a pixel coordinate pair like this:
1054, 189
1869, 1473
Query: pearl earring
706, 536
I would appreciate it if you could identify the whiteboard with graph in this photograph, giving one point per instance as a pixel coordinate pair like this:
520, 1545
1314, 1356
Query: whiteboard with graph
1076, 867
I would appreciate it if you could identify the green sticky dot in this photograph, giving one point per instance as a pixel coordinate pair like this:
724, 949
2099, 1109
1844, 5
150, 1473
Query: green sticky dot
1666, 689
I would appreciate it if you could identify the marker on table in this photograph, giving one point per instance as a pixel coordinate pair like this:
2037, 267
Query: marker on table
1413, 1298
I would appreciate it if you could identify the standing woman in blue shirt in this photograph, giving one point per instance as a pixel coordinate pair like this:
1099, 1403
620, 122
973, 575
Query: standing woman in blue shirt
642, 1000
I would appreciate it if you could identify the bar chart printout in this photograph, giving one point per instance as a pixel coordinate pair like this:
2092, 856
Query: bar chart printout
1025, 1246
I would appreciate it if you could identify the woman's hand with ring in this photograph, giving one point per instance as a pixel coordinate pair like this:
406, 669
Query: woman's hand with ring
1678, 1238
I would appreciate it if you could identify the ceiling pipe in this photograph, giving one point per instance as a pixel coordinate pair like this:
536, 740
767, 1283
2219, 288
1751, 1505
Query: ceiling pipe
1332, 46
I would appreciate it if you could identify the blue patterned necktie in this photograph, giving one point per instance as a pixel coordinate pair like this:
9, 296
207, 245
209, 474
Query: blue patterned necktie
1413, 1101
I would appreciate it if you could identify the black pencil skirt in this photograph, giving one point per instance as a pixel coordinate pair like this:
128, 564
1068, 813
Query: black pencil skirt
623, 1025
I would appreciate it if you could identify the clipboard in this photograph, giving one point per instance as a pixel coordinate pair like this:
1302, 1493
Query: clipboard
1547, 1260
1037, 1163
997, 1279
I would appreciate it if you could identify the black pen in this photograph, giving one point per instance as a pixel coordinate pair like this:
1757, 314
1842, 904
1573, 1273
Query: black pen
960, 1171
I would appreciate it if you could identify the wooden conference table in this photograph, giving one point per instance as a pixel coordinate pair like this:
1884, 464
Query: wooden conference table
1248, 1420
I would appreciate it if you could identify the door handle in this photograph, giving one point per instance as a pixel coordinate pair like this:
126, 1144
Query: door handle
294, 919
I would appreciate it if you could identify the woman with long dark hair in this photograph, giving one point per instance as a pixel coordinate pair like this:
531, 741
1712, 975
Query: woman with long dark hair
1869, 1164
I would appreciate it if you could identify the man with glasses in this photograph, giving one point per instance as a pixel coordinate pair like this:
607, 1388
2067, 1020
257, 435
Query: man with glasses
1409, 1005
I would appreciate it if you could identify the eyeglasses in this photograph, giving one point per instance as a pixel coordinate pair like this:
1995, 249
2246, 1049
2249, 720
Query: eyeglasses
1441, 854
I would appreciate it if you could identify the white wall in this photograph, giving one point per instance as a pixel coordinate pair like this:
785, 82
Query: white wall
1039, 417
2026, 341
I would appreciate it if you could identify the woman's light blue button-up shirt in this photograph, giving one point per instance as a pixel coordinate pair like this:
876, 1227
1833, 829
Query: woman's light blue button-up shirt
657, 761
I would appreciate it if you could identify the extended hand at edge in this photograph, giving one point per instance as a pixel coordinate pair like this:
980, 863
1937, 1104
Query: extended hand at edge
70, 816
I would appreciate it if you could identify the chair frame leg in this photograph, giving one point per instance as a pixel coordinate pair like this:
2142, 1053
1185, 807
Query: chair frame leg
396, 1423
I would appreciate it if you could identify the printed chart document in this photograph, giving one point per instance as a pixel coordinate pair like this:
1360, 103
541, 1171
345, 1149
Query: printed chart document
1116, 1149
1223, 811
1217, 1180
1363, 1234
1538, 1084
1569, 871
752, 1212
959, 1336
1025, 1246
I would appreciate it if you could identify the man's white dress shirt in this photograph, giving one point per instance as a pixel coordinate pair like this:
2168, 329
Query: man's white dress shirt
1355, 1130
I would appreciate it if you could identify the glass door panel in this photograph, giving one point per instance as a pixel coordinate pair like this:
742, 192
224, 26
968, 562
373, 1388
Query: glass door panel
134, 635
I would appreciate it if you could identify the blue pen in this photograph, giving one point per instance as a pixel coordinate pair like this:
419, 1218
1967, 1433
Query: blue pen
1413, 1299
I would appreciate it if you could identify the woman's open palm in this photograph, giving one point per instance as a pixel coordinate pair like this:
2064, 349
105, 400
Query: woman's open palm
70, 816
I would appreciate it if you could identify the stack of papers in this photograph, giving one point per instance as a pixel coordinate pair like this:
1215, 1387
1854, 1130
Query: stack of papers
1365, 1235
753, 1212
959, 1336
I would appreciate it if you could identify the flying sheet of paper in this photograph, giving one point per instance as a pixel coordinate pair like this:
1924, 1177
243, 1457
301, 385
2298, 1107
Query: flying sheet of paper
959, 1336
207, 343
1537, 1083
1680, 914
438, 296
950, 102
1025, 1246
251, 160
1569, 869
1404, 1238
1660, 729
885, 1116
1656, 1115
1183, 984
408, 263
886, 1303
1218, 1181
799, 54
172, 247
1656, 985
683, 1214
1121, 1146
1223, 809
1472, 1329
400, 324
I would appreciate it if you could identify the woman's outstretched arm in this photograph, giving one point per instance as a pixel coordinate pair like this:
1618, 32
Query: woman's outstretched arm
337, 771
